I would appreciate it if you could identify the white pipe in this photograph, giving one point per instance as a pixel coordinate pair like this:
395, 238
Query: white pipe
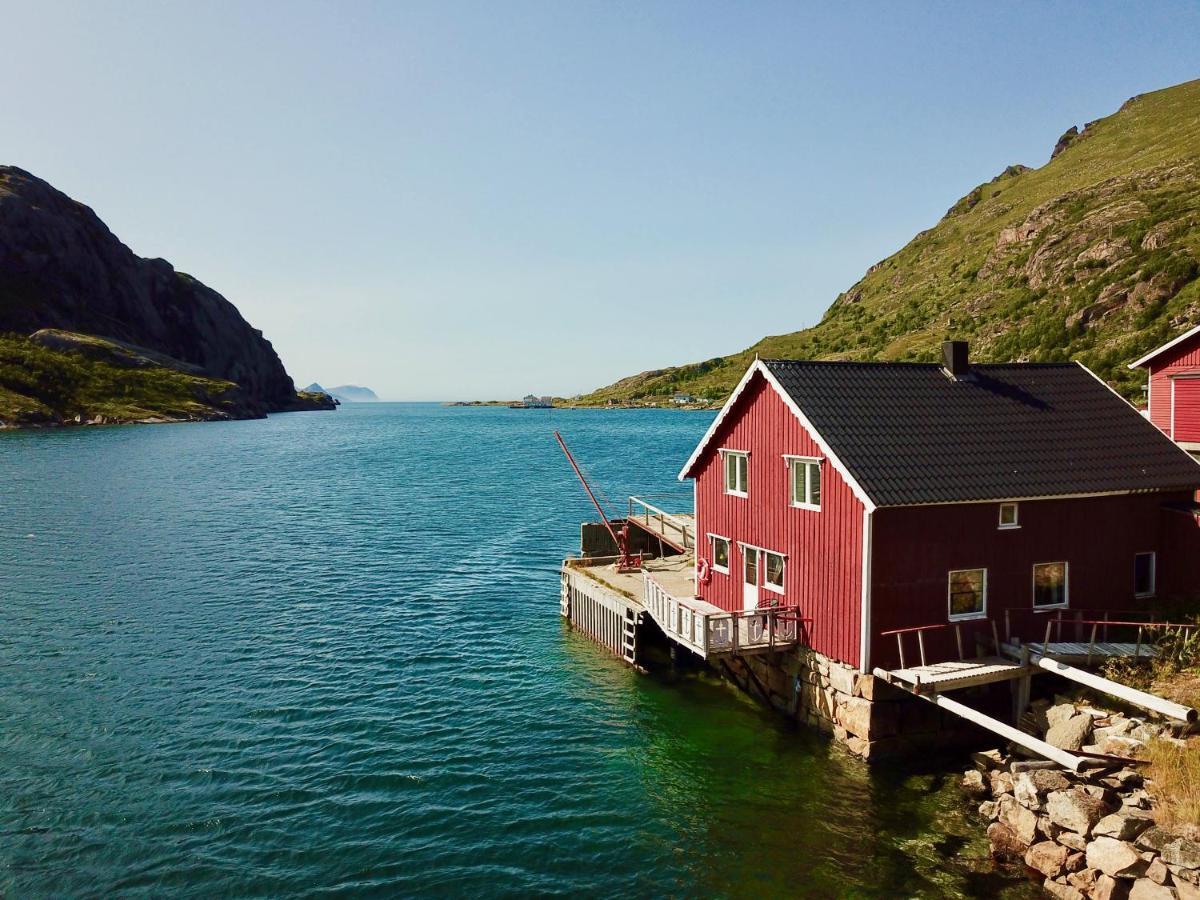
1062, 757
1128, 694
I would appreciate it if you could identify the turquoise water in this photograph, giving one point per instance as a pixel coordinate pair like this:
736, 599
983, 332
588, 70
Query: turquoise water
321, 654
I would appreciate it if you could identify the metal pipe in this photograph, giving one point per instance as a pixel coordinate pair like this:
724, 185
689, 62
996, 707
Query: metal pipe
1040, 747
1128, 694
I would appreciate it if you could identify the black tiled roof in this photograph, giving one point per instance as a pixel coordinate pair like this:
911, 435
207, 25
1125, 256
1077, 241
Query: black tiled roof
910, 434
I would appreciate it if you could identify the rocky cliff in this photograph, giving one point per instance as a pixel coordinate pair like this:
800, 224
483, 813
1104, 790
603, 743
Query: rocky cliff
61, 268
1093, 256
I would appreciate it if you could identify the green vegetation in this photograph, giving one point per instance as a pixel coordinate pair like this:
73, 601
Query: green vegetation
44, 385
1094, 257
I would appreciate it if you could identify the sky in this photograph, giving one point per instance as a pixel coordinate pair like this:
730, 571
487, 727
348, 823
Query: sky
452, 200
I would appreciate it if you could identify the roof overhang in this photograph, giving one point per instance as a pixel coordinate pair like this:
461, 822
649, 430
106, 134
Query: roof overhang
1164, 348
758, 367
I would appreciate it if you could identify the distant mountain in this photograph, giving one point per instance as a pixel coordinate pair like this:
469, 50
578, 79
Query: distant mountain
347, 393
1094, 256
118, 337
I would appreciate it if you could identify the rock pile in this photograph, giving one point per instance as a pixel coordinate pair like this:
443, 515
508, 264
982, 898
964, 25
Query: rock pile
1090, 835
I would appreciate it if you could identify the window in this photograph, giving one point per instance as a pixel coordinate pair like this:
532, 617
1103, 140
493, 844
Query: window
968, 594
737, 472
720, 553
1008, 516
805, 482
1049, 585
1144, 566
773, 571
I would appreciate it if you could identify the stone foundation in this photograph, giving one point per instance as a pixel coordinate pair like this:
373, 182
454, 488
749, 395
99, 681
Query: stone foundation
873, 719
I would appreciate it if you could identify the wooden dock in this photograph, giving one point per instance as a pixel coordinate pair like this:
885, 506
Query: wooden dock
954, 674
1083, 651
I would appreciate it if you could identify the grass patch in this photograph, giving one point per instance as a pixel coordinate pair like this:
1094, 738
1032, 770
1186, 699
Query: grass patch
1175, 773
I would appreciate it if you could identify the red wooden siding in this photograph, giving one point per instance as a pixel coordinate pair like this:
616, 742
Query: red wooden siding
823, 573
1182, 360
915, 548
1186, 426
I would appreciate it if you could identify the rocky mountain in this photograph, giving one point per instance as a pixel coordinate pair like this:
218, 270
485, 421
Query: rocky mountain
1094, 256
346, 393
62, 269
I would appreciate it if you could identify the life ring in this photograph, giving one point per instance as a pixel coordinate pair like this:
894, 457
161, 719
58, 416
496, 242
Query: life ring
703, 574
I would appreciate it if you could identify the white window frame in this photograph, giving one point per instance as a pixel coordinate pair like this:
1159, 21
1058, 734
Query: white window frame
725, 454
791, 463
712, 539
1066, 586
964, 617
767, 585
1153, 592
1016, 522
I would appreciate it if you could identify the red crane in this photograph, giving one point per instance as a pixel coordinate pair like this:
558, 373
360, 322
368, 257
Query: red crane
626, 561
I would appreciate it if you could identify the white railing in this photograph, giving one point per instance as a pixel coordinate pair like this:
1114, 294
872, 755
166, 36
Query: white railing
708, 633
663, 524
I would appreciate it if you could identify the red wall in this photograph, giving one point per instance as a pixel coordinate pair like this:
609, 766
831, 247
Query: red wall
915, 548
1182, 359
823, 573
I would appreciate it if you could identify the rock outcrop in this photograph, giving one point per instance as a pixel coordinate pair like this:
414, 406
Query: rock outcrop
61, 268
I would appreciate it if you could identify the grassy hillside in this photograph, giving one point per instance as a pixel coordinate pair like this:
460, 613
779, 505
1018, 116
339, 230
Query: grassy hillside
102, 380
1094, 256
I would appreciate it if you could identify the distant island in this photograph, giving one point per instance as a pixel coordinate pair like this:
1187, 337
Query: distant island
345, 393
90, 333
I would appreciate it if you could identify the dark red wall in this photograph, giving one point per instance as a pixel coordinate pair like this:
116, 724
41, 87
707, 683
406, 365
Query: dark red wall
915, 548
823, 574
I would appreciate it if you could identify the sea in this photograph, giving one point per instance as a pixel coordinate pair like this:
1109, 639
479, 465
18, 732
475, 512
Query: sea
321, 655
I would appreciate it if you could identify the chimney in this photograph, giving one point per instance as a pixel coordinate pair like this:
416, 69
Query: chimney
955, 355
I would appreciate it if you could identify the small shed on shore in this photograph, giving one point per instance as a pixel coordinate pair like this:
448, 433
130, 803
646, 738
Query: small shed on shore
1173, 398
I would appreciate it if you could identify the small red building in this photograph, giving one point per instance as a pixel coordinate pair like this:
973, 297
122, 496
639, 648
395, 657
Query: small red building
1174, 395
877, 496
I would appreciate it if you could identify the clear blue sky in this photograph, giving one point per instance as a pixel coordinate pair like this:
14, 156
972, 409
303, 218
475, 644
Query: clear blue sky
457, 200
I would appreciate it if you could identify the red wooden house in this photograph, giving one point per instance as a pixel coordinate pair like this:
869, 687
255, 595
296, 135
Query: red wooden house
1174, 395
877, 496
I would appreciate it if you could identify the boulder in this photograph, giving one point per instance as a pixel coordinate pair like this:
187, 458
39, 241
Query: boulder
1062, 891
1047, 857
988, 809
1072, 839
1076, 862
1083, 880
1001, 783
1022, 821
1120, 745
1030, 788
1060, 713
1145, 889
1175, 850
974, 786
1158, 872
1114, 858
1005, 843
1124, 825
1071, 734
988, 760
1109, 888
1075, 810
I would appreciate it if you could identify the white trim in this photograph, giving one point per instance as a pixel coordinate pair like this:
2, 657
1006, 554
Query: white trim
1172, 432
728, 552
1015, 524
759, 366
864, 637
768, 586
761, 549
727, 452
966, 617
1066, 585
716, 423
1165, 347
1153, 592
790, 461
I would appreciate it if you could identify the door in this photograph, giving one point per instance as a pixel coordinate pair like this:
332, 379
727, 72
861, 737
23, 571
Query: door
749, 578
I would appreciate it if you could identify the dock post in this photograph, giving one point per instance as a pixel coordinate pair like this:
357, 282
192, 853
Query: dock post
1022, 688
